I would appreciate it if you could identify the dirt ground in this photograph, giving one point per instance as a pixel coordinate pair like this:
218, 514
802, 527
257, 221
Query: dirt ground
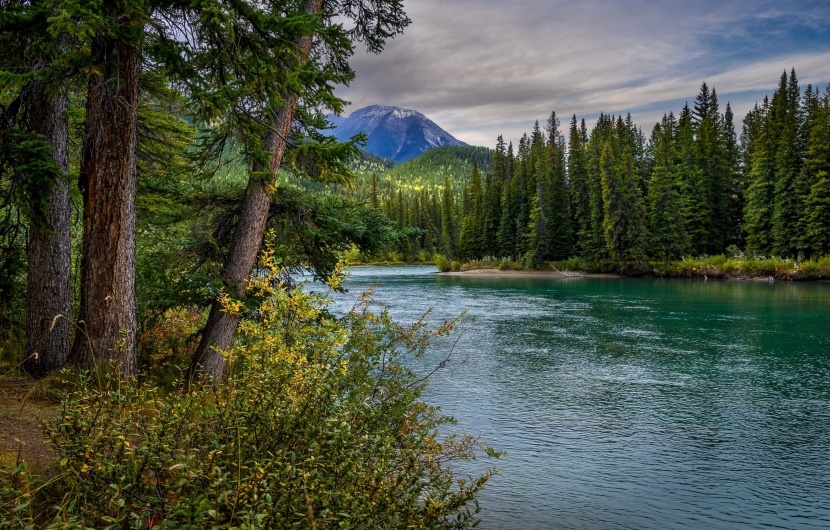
21, 418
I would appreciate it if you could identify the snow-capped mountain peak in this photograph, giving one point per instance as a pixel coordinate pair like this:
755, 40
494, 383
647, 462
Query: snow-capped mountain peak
393, 132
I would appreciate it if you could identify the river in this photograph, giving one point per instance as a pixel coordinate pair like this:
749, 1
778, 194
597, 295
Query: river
633, 403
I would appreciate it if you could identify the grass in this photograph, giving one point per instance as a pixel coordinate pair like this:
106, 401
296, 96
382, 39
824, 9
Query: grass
737, 267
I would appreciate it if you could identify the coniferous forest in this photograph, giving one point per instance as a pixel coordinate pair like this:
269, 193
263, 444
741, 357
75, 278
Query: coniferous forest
616, 197
167, 185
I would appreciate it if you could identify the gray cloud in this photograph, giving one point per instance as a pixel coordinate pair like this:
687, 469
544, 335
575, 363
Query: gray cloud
480, 68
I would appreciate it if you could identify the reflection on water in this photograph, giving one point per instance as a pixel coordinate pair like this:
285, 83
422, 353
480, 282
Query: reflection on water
634, 403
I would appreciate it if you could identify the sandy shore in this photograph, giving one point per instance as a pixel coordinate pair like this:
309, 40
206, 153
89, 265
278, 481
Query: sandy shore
527, 274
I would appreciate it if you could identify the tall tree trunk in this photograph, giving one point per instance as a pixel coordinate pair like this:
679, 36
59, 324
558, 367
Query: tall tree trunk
107, 320
48, 284
247, 240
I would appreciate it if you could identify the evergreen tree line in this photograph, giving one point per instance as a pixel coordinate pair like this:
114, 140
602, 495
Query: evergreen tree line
616, 197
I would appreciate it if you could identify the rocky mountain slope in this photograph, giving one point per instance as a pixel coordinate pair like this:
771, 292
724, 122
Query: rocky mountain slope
396, 133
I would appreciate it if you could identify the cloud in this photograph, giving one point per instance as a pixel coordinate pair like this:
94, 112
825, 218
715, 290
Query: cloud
480, 68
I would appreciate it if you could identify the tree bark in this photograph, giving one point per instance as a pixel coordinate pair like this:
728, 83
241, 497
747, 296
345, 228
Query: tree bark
247, 240
48, 304
107, 321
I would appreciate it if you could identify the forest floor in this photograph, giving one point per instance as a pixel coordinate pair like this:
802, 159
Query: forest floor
21, 423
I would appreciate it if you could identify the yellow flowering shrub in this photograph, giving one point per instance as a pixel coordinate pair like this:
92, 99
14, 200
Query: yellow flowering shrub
319, 425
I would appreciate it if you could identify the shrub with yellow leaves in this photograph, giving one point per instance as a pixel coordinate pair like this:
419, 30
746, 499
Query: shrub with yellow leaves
319, 425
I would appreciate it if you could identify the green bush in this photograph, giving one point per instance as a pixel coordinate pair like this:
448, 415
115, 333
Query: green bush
168, 343
818, 268
760, 267
573, 264
319, 425
442, 263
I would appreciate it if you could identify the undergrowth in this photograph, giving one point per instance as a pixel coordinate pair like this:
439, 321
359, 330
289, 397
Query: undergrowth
736, 266
319, 425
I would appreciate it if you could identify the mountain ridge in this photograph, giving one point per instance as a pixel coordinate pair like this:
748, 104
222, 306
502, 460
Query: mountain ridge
393, 132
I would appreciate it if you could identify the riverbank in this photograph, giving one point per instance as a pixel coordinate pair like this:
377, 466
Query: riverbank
525, 273
705, 268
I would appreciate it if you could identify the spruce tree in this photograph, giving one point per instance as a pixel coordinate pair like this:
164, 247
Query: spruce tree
34, 163
667, 233
711, 159
106, 322
491, 215
593, 245
695, 207
817, 165
758, 207
787, 228
470, 238
374, 201
536, 235
509, 210
578, 184
624, 220
559, 214
735, 184
449, 238
262, 70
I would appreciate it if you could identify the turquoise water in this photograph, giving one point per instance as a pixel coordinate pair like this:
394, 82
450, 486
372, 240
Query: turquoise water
633, 403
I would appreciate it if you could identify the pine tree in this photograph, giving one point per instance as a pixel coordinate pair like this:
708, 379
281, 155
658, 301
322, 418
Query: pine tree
281, 63
578, 183
711, 158
760, 181
624, 220
735, 201
449, 239
470, 238
593, 245
491, 216
34, 157
695, 207
816, 216
787, 229
559, 214
374, 201
537, 232
525, 189
106, 322
667, 233
507, 230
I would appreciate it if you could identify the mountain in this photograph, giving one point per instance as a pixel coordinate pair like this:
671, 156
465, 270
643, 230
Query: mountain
396, 133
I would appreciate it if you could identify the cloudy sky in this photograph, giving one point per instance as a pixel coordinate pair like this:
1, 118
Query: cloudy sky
480, 68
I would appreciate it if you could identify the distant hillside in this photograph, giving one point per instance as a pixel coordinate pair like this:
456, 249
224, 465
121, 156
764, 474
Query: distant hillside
395, 133
427, 171
430, 168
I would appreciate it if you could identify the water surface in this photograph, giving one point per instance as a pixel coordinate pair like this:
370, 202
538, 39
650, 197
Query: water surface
634, 403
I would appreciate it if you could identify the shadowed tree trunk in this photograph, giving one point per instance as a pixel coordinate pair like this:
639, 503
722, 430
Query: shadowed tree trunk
247, 239
48, 284
107, 320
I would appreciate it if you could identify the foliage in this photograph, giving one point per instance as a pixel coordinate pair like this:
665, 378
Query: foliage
167, 343
745, 267
320, 425
442, 263
429, 170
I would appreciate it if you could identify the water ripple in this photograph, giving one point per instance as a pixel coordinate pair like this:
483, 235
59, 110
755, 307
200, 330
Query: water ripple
634, 403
